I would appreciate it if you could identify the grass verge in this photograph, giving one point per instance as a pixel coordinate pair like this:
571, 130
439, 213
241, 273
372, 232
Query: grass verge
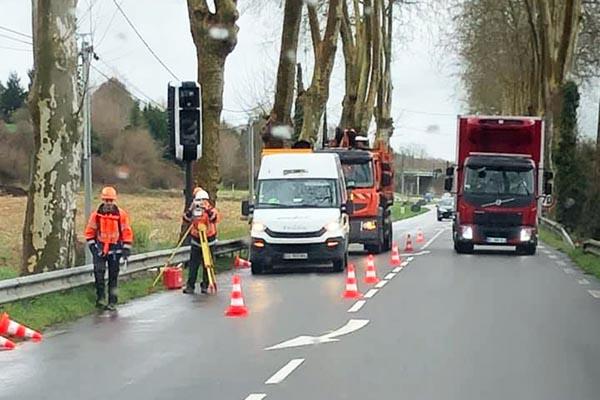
587, 262
398, 215
55, 308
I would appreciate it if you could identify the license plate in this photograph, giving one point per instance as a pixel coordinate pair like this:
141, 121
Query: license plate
295, 256
496, 240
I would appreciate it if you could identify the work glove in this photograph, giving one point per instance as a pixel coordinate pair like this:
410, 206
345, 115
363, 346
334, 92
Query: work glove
212, 215
96, 252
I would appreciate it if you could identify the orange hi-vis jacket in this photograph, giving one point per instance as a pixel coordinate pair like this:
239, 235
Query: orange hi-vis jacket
208, 219
111, 231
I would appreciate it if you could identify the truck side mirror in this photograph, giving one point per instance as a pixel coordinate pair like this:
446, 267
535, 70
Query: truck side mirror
448, 183
450, 171
547, 188
247, 208
386, 179
548, 176
348, 208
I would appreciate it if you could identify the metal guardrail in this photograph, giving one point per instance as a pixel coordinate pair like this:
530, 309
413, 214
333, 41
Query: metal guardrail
592, 246
34, 285
558, 229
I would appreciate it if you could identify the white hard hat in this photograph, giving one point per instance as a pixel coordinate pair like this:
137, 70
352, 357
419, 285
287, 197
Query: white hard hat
201, 195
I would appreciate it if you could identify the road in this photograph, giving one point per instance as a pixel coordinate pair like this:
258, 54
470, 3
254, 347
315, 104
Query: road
486, 326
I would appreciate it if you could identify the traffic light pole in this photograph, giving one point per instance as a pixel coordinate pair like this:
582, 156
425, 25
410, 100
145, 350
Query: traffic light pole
86, 52
189, 183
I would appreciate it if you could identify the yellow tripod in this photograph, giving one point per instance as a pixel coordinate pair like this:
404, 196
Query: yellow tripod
208, 259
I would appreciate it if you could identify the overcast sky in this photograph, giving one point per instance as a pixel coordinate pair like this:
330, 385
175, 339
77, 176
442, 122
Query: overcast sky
426, 96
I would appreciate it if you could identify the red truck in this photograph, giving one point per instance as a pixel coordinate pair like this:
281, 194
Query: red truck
498, 182
369, 176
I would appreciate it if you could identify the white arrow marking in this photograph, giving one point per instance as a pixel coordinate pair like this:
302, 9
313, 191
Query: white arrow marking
256, 396
351, 326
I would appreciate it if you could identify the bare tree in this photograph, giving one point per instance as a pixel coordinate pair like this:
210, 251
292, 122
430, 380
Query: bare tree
49, 229
215, 37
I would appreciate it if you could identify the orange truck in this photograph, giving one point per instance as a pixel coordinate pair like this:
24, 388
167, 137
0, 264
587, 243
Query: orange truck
369, 176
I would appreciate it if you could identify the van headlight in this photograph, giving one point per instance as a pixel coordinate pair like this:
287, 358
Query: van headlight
525, 235
258, 227
333, 226
467, 232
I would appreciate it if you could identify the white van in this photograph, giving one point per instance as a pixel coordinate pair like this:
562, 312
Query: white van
299, 216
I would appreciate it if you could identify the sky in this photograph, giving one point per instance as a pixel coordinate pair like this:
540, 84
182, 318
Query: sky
427, 95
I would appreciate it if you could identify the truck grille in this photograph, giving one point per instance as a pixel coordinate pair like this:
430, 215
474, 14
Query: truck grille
494, 219
294, 235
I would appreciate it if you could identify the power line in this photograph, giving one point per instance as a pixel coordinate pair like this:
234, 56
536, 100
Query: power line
112, 18
16, 32
15, 48
144, 41
15, 39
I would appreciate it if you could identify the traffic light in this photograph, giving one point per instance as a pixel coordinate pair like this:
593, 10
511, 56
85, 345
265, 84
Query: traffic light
185, 121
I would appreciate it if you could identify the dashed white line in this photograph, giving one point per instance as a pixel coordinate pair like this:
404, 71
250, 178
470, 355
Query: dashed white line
552, 256
390, 275
283, 373
594, 293
409, 259
405, 263
541, 247
357, 306
561, 263
583, 281
371, 293
381, 284
397, 269
256, 396
569, 270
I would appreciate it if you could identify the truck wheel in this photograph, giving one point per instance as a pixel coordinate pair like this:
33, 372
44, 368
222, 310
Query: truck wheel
527, 249
463, 248
389, 238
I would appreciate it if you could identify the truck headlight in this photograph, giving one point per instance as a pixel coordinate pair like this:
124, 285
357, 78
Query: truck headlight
258, 227
525, 235
467, 232
333, 226
369, 225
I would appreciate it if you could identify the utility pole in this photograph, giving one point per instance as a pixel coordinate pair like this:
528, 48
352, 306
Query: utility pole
251, 160
87, 52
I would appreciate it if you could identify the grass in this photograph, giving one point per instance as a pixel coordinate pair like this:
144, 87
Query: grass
55, 308
589, 263
398, 215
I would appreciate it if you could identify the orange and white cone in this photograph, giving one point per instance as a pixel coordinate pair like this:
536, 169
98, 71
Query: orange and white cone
236, 307
351, 291
409, 246
371, 275
12, 328
241, 263
420, 236
6, 344
396, 260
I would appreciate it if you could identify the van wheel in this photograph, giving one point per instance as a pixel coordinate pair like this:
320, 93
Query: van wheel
257, 269
339, 265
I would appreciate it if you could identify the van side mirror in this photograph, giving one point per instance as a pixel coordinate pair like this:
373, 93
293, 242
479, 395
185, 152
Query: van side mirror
448, 183
348, 208
247, 208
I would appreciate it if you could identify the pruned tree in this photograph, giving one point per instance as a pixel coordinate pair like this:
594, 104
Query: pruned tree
215, 36
49, 228
383, 110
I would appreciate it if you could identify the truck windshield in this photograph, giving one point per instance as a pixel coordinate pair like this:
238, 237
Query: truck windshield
499, 181
358, 175
298, 193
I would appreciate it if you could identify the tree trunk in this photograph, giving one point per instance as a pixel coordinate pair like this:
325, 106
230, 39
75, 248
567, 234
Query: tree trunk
49, 229
284, 91
215, 37
315, 98
383, 112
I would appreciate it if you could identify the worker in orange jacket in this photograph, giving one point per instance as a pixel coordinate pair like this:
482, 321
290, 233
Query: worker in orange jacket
109, 237
201, 212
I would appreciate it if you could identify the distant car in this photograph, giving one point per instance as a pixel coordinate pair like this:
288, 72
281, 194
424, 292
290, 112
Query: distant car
445, 208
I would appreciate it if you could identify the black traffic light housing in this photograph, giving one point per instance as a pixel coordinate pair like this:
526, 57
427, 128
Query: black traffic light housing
185, 120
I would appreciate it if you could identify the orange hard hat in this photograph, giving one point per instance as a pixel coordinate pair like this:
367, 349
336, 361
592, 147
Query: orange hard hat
109, 193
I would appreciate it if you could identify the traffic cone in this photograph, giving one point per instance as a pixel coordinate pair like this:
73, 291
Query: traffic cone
12, 328
351, 291
241, 263
236, 307
396, 260
6, 344
371, 275
420, 236
409, 246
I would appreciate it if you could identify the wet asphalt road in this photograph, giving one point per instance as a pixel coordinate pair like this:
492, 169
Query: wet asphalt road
486, 326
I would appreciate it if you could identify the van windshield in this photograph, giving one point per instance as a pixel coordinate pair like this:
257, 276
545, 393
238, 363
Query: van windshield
297, 193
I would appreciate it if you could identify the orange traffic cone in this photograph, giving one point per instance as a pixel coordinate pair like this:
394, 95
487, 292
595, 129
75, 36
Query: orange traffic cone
6, 344
236, 307
351, 291
420, 236
371, 275
12, 328
396, 260
241, 263
409, 246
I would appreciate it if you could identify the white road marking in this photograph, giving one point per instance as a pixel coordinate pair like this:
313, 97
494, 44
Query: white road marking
541, 247
561, 263
569, 270
381, 284
371, 293
583, 281
552, 256
397, 269
256, 396
284, 371
426, 245
390, 275
409, 259
351, 326
595, 293
405, 263
546, 252
357, 306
